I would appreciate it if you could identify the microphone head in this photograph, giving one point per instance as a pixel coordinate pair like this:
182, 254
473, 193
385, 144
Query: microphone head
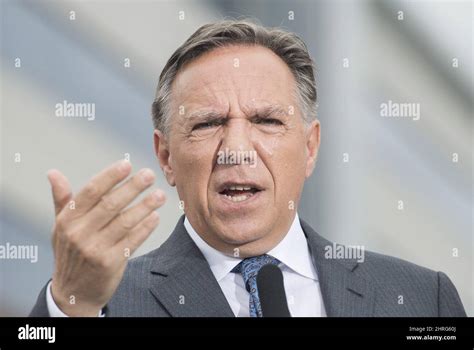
271, 292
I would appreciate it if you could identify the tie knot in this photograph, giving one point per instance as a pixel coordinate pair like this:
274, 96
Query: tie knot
249, 268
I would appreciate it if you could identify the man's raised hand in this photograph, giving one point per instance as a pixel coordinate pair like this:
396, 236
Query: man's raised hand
95, 233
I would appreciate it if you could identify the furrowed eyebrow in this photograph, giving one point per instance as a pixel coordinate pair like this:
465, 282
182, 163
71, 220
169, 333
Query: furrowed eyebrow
270, 111
267, 111
203, 116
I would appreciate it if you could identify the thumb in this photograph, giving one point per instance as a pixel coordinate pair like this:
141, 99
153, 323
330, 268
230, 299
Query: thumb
61, 189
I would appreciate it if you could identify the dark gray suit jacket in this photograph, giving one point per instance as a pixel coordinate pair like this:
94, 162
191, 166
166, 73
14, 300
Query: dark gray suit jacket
176, 280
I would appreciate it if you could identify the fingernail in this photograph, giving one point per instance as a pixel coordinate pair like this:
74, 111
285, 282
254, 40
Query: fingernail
147, 176
124, 165
154, 216
159, 195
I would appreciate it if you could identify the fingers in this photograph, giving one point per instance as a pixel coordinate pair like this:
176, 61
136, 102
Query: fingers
60, 188
123, 223
130, 242
111, 204
99, 185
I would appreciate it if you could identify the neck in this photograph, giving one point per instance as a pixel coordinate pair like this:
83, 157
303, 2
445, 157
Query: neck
251, 248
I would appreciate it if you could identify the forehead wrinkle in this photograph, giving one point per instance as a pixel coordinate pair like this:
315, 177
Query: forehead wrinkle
224, 87
201, 105
204, 114
264, 109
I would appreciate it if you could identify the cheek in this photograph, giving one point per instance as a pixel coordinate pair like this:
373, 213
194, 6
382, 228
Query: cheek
282, 151
285, 159
193, 168
268, 146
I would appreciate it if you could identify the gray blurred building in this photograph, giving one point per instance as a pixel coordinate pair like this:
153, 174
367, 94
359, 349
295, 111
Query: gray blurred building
399, 186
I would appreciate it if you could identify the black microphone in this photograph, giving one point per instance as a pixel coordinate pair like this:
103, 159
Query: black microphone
272, 292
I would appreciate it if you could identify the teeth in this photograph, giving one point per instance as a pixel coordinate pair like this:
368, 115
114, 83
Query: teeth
237, 198
239, 188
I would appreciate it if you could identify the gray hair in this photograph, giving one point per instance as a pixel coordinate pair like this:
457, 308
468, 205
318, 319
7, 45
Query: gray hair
288, 46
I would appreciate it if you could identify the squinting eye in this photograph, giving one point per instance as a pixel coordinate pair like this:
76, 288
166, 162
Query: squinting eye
270, 121
206, 125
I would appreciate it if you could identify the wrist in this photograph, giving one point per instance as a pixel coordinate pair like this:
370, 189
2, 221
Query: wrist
71, 307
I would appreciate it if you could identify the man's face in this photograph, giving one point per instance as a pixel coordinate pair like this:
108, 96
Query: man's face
238, 150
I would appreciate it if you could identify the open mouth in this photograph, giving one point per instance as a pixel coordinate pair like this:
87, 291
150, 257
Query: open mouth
239, 193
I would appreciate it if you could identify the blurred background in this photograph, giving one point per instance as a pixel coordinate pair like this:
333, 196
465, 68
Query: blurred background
366, 53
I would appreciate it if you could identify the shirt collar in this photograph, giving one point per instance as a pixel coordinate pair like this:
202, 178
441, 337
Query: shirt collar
292, 251
220, 263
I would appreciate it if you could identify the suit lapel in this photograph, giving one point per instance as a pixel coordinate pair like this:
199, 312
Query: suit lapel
183, 282
184, 285
345, 293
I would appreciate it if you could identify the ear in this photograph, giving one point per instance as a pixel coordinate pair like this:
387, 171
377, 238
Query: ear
312, 145
164, 156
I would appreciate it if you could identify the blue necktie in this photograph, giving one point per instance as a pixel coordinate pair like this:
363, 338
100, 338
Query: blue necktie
249, 269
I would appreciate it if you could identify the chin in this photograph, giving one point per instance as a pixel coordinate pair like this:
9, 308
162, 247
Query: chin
240, 232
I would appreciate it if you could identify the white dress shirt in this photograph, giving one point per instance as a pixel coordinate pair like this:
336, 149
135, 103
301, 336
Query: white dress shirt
299, 275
